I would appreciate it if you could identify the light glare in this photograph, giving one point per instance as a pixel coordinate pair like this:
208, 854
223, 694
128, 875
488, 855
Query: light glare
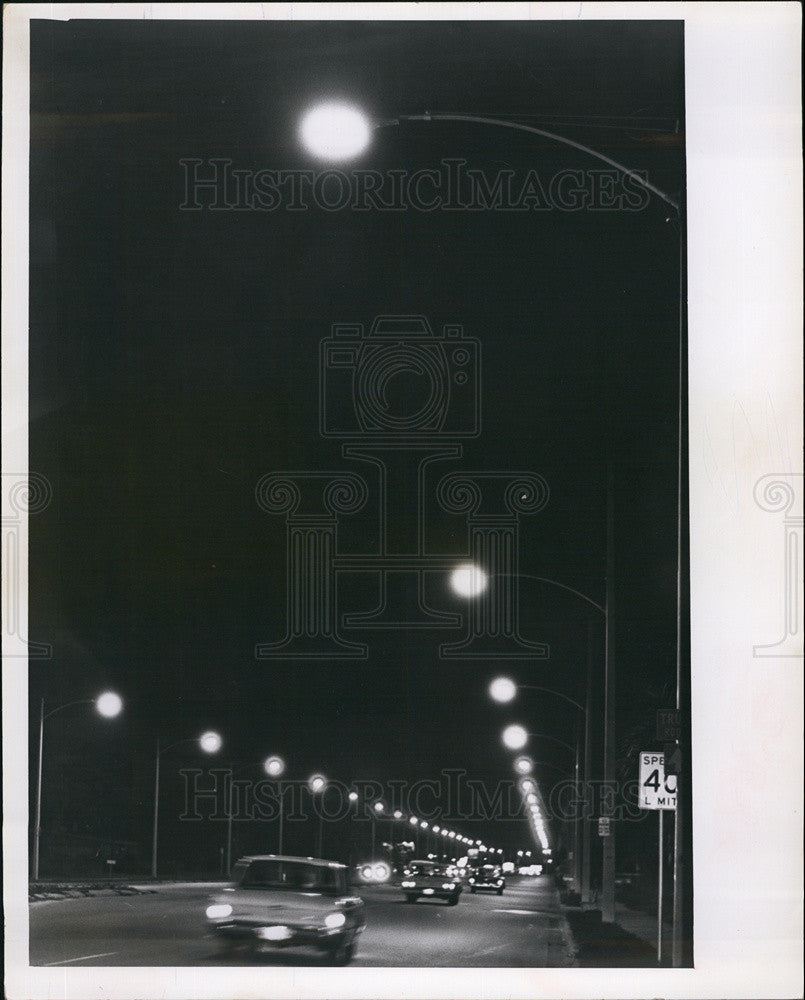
335, 131
468, 580
109, 704
503, 690
515, 737
210, 742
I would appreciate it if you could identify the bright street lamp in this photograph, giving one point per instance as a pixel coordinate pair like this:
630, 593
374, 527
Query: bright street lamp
468, 580
108, 705
514, 737
335, 131
317, 783
524, 765
274, 766
209, 742
502, 690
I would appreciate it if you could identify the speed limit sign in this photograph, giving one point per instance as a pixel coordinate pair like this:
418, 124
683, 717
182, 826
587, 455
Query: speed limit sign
657, 789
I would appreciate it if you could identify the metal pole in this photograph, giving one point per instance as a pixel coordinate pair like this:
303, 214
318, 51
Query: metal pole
156, 817
372, 851
229, 829
577, 821
659, 895
282, 810
608, 852
586, 860
683, 786
38, 825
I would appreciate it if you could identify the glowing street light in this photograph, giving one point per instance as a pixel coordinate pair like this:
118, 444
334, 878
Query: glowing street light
335, 131
353, 796
274, 766
210, 742
317, 783
378, 807
515, 737
108, 704
397, 814
503, 690
468, 580
524, 765
413, 821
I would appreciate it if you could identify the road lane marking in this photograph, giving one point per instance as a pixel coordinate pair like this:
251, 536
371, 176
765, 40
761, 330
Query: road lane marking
82, 958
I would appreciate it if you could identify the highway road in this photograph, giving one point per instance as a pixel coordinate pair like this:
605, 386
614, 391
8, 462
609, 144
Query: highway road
523, 928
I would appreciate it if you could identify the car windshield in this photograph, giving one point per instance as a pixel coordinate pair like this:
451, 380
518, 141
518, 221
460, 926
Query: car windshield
289, 875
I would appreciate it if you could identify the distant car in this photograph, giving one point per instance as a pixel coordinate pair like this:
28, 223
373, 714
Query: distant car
487, 877
280, 902
430, 878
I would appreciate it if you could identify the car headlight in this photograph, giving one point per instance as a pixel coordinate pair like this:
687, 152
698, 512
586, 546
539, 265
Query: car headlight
448, 885
472, 881
218, 910
335, 920
407, 885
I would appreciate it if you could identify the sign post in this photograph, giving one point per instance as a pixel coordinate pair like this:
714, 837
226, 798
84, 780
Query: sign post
657, 792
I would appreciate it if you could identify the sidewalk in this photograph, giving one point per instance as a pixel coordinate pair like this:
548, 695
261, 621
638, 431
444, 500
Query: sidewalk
630, 942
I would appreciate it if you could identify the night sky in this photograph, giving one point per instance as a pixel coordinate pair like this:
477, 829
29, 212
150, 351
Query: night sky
174, 361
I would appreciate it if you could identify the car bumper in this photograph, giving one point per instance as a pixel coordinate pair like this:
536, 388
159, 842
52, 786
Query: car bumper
431, 891
270, 936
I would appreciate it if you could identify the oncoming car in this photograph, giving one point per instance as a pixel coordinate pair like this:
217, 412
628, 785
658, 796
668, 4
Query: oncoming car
280, 902
487, 877
430, 878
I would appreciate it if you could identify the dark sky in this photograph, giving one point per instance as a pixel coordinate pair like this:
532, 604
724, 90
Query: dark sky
174, 361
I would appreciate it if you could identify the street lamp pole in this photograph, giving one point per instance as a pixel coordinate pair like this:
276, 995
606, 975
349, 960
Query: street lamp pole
38, 825
608, 848
155, 834
109, 705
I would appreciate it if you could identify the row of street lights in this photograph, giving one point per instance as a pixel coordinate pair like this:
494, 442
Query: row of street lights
109, 705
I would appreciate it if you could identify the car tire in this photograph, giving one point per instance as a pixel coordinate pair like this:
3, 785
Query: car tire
410, 897
472, 890
343, 952
500, 892
452, 900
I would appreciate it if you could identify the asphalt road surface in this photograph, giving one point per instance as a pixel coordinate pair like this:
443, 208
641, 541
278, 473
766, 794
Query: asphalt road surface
523, 928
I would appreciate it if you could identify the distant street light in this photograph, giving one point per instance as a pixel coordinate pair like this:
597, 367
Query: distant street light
468, 580
209, 742
335, 131
317, 784
108, 705
524, 765
274, 767
514, 737
503, 690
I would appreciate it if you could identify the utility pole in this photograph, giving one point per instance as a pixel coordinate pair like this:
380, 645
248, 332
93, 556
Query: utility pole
608, 852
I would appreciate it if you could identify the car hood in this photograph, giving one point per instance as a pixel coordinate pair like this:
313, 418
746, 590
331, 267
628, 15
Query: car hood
279, 904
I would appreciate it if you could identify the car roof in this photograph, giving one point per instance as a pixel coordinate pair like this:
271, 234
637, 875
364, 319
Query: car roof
319, 862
